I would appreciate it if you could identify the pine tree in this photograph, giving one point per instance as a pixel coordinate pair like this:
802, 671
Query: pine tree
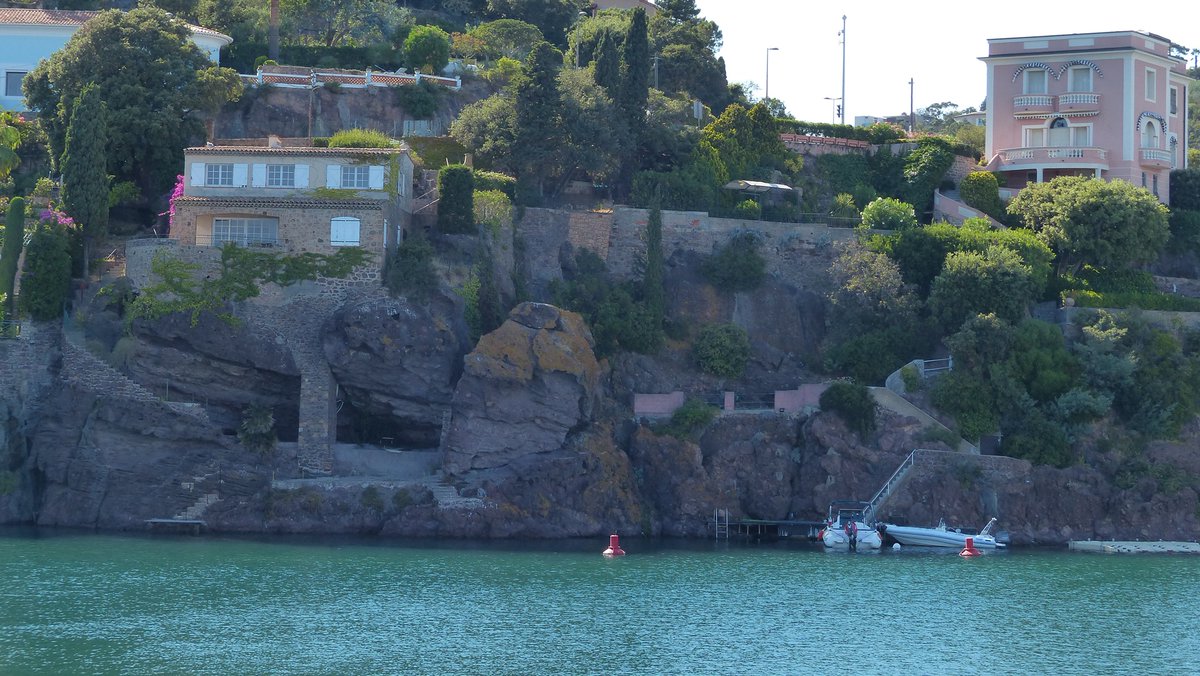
14, 239
85, 179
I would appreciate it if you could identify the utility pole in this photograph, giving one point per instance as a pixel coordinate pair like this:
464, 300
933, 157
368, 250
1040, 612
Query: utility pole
767, 83
843, 34
912, 115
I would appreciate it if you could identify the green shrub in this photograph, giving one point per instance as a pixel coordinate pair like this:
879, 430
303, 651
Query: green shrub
911, 376
886, 213
456, 200
427, 48
401, 499
1145, 301
924, 169
737, 266
722, 350
371, 499
409, 269
981, 190
491, 180
870, 356
435, 151
748, 210
257, 430
1185, 229
8, 482
421, 100
693, 415
360, 138
940, 434
970, 400
46, 276
863, 195
843, 207
493, 209
1185, 189
853, 403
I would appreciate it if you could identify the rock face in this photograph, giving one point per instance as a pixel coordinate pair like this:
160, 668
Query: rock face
226, 368
398, 362
524, 388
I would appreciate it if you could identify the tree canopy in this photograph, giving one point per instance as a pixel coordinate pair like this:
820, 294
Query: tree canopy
1090, 220
147, 71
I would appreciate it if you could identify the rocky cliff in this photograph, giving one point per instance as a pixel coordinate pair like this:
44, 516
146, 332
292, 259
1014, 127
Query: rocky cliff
535, 441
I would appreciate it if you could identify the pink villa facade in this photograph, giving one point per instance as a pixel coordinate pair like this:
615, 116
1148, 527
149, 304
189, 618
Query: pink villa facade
1111, 105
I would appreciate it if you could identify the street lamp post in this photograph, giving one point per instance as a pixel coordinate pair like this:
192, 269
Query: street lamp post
834, 109
767, 83
843, 97
912, 115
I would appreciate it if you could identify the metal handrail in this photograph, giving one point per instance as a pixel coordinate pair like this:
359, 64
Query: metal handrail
265, 242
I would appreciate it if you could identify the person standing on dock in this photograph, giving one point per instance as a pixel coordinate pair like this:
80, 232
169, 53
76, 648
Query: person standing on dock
852, 535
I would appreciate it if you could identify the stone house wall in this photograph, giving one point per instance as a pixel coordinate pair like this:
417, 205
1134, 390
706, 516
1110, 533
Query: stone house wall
303, 226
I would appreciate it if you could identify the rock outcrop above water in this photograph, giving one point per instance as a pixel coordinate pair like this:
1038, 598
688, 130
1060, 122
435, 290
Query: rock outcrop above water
398, 361
524, 388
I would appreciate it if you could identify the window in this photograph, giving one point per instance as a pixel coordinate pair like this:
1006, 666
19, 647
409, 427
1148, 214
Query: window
218, 174
356, 177
1174, 101
343, 231
1150, 134
245, 231
281, 175
1036, 138
1081, 137
1035, 81
12, 82
1143, 179
1151, 85
1156, 185
1080, 79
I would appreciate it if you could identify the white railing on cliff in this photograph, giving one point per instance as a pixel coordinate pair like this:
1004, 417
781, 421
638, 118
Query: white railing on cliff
889, 487
349, 79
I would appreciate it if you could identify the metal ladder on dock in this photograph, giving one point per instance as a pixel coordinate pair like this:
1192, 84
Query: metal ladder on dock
721, 524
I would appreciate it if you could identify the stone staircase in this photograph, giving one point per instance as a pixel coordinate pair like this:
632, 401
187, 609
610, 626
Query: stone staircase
197, 508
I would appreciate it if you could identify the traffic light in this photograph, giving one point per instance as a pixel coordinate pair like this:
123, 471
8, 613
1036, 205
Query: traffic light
839, 111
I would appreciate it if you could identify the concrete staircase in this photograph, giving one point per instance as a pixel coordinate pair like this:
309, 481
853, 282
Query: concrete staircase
196, 509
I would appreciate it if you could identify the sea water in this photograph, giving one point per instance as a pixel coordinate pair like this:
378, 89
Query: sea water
86, 603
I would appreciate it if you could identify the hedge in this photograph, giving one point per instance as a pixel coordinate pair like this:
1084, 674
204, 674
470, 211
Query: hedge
241, 55
877, 134
1145, 301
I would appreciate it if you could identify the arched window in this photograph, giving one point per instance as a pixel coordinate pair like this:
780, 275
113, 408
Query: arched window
1150, 134
1059, 123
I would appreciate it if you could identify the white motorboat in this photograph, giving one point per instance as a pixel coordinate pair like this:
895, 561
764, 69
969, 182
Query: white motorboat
941, 536
841, 514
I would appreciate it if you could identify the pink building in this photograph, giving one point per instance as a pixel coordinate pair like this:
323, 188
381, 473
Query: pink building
1110, 105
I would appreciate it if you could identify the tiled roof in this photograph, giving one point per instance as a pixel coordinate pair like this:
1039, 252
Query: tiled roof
291, 150
281, 202
66, 17
45, 17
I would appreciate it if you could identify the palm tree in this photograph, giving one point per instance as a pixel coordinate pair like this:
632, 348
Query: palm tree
273, 32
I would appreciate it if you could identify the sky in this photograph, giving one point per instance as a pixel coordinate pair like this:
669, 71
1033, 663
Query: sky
937, 45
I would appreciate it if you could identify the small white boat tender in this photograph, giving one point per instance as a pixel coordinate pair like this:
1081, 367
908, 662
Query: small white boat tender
914, 536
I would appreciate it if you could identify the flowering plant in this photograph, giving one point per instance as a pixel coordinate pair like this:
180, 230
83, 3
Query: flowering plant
53, 216
176, 193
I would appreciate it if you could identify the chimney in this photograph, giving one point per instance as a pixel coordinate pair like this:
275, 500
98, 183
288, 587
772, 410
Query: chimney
273, 141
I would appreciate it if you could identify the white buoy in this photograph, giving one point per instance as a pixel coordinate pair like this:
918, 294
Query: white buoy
896, 546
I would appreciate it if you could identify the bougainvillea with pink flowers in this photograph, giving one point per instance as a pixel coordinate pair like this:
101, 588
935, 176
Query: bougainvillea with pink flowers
175, 194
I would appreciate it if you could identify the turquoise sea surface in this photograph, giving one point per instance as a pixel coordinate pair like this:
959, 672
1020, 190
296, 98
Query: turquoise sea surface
96, 604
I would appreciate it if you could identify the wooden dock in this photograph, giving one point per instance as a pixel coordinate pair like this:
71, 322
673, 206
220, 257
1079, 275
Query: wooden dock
1133, 547
765, 529
193, 526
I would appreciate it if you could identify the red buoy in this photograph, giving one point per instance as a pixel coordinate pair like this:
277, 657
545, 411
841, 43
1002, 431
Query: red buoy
969, 550
614, 547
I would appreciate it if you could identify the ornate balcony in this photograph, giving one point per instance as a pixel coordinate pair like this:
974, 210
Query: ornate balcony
1078, 103
1155, 158
1066, 157
1033, 103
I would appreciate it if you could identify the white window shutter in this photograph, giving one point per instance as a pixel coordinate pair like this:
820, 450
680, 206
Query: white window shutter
333, 176
197, 173
240, 175
402, 184
343, 231
258, 175
376, 177
301, 175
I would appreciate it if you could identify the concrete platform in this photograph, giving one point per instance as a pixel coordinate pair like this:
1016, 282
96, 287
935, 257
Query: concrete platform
1135, 547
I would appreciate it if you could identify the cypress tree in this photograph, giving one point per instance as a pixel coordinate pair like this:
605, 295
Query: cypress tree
607, 64
46, 278
14, 239
85, 179
456, 199
539, 137
634, 91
